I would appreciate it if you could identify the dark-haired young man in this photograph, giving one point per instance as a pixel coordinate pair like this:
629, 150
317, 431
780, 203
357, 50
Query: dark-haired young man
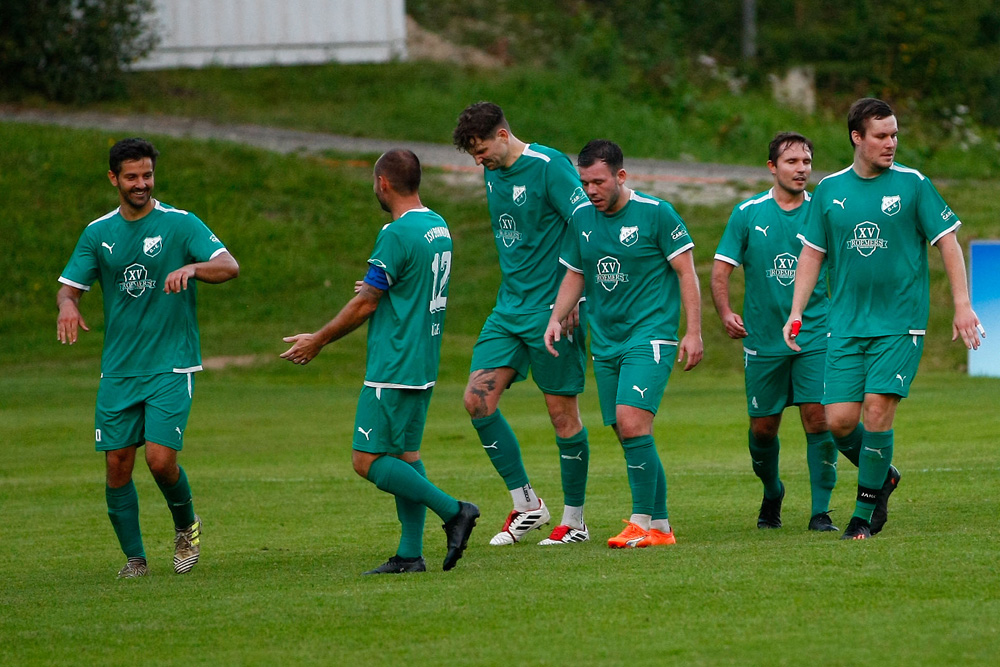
872, 222
762, 236
633, 255
531, 191
147, 257
404, 294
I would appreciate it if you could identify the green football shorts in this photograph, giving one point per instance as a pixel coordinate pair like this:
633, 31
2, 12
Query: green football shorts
637, 378
877, 365
774, 383
134, 410
390, 421
518, 342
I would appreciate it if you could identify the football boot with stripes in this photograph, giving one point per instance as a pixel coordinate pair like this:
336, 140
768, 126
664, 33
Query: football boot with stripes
633, 537
134, 568
187, 546
519, 524
563, 534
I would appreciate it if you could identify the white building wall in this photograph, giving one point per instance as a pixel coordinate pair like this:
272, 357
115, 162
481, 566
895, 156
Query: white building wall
197, 33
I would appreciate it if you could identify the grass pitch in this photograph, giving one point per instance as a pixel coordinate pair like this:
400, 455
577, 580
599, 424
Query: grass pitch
289, 528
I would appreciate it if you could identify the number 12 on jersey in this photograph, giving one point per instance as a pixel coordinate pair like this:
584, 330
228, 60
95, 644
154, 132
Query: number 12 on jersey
441, 268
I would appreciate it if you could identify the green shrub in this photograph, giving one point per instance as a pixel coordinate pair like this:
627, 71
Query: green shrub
72, 50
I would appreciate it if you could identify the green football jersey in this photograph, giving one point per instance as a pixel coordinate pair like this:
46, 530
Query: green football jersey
530, 203
633, 294
404, 333
146, 331
763, 238
875, 232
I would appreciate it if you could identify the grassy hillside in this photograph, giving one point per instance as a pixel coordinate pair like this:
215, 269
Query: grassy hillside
420, 101
301, 228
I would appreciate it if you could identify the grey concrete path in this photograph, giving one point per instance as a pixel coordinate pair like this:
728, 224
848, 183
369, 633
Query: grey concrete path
297, 141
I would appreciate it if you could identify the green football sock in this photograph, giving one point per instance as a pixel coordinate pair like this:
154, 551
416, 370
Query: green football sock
643, 466
123, 510
574, 461
764, 459
179, 500
660, 499
503, 449
821, 455
876, 456
411, 518
400, 479
850, 444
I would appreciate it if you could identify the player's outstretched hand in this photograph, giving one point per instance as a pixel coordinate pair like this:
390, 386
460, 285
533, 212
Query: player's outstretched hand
304, 349
178, 280
967, 325
70, 320
692, 346
553, 334
734, 326
790, 331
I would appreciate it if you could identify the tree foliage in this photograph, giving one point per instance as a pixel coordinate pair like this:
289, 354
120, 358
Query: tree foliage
71, 50
937, 55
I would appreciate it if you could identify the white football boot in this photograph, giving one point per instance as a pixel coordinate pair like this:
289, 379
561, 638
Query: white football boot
518, 524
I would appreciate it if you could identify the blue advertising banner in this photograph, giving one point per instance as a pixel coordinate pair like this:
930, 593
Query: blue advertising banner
984, 267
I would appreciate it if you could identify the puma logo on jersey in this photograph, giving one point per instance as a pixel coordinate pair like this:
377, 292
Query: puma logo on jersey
638, 467
578, 457
877, 451
642, 392
840, 202
586, 235
180, 434
762, 230
490, 186
756, 462
365, 433
902, 379
493, 446
111, 248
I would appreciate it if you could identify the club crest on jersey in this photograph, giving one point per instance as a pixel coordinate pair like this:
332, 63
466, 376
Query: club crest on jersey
508, 230
784, 268
152, 245
628, 235
578, 196
891, 205
135, 281
520, 194
866, 239
609, 273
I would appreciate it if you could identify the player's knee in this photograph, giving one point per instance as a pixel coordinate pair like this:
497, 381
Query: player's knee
476, 404
764, 432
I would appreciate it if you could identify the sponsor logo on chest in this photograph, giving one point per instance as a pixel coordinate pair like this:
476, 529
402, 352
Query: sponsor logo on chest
784, 268
609, 273
135, 281
508, 230
866, 239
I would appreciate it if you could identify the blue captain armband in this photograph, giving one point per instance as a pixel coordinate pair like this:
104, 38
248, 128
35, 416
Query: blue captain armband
376, 277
